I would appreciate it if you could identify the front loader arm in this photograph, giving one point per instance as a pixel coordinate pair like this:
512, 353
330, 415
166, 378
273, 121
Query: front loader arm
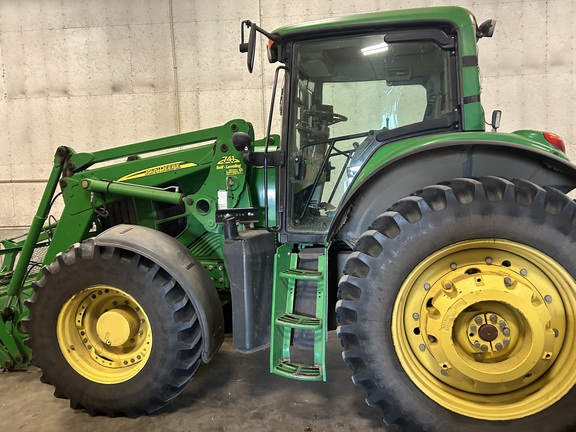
21, 267
202, 163
13, 352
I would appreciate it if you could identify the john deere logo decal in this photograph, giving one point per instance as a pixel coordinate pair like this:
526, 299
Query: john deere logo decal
173, 166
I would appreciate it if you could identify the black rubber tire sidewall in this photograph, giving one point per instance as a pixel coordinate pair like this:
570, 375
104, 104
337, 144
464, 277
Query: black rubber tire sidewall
176, 333
365, 323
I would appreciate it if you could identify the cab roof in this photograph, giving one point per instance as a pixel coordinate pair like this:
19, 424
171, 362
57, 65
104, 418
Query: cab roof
459, 16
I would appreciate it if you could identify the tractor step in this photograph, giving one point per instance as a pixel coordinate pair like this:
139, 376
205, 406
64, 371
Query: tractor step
298, 371
301, 274
299, 321
289, 324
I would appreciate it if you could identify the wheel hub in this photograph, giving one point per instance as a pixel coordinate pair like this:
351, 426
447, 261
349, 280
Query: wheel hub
117, 326
487, 317
489, 332
104, 334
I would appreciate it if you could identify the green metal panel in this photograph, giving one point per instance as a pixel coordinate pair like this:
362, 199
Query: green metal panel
459, 16
396, 150
473, 113
258, 184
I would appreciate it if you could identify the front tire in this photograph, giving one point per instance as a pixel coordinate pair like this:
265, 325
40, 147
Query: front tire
113, 331
458, 309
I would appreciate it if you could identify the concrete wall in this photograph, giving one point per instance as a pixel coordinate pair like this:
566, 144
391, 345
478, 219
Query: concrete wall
97, 73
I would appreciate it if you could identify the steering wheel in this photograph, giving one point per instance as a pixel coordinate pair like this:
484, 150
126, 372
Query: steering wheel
310, 133
325, 117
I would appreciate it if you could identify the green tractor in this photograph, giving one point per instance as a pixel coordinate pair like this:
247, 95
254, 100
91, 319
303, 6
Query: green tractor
439, 251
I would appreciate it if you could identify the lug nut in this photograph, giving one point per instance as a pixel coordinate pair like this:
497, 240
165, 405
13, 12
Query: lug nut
507, 281
548, 298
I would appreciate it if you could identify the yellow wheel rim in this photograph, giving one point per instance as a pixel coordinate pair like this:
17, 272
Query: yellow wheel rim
104, 334
486, 329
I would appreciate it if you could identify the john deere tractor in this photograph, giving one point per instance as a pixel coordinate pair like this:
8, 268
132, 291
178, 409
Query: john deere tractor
441, 252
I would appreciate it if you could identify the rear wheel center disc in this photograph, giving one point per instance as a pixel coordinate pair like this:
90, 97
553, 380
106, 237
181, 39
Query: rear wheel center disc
104, 334
486, 329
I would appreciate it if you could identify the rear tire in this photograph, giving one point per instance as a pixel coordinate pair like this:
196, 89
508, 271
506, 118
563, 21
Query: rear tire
423, 288
113, 331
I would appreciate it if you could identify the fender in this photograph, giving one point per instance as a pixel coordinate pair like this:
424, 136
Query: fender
177, 260
393, 178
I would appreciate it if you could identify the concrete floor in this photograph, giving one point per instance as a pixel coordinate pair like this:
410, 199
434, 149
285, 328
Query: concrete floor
233, 393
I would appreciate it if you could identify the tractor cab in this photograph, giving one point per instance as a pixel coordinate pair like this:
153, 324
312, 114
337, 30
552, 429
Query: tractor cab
349, 95
354, 86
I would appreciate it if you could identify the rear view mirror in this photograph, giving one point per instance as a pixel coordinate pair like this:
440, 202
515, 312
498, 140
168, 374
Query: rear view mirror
250, 46
486, 29
251, 49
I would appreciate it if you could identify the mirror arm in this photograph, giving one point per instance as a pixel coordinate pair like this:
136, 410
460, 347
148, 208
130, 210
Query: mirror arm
244, 45
248, 24
250, 46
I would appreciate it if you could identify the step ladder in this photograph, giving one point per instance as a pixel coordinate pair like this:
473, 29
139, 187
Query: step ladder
287, 277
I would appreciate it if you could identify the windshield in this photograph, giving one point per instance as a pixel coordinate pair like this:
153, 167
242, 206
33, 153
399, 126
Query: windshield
345, 92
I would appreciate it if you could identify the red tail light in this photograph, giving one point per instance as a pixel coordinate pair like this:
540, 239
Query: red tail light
555, 140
